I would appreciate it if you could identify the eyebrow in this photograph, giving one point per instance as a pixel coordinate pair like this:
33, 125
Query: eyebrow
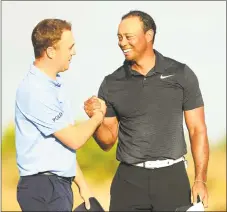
125, 34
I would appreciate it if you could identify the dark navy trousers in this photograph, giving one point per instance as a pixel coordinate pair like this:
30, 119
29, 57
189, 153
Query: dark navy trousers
44, 193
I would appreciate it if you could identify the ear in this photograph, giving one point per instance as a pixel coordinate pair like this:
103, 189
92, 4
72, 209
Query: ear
50, 51
149, 35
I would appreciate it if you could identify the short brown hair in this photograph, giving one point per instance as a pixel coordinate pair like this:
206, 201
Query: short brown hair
47, 33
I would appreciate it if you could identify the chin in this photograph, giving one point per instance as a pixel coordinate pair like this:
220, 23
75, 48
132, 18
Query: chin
64, 70
128, 57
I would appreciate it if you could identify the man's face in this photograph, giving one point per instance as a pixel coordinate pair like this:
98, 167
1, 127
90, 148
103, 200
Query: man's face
65, 49
131, 38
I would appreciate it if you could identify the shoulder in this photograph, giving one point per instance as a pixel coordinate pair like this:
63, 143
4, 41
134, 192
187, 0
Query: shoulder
184, 75
29, 92
118, 74
182, 70
173, 64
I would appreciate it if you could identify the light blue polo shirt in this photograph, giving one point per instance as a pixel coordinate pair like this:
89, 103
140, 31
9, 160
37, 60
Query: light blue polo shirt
42, 108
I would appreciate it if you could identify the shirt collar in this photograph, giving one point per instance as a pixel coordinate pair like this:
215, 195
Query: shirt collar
160, 66
37, 72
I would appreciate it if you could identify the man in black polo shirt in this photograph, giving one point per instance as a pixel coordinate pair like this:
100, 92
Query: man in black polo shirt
146, 99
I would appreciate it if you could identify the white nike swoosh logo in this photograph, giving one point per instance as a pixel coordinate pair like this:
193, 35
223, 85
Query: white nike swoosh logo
163, 77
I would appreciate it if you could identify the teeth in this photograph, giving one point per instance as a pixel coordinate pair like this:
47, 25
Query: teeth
126, 50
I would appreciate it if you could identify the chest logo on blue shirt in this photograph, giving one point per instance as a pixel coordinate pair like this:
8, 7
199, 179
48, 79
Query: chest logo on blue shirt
57, 117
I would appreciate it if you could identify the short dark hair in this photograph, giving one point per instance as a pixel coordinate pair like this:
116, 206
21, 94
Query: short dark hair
148, 21
47, 33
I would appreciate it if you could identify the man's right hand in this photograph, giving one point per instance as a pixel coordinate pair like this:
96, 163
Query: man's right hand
106, 134
94, 105
98, 116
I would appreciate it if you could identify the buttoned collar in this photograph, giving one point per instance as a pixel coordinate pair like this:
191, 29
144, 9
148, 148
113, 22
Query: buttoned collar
160, 66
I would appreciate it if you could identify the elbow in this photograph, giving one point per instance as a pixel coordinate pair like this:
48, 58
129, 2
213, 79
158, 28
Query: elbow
75, 145
106, 147
198, 131
70, 143
110, 145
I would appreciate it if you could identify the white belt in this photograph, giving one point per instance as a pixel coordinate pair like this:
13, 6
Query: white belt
159, 163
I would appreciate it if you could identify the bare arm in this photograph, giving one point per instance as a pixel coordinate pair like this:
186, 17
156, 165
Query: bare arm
107, 133
195, 121
79, 179
81, 183
75, 136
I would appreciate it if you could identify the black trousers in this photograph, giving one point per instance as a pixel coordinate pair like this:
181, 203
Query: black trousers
44, 193
139, 189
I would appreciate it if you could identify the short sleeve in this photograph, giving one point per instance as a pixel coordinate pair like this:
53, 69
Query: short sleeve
44, 111
192, 97
103, 94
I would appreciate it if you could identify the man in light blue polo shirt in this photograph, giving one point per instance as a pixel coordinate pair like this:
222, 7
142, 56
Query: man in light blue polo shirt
46, 137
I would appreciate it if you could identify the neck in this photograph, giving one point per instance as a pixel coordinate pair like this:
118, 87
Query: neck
144, 64
46, 67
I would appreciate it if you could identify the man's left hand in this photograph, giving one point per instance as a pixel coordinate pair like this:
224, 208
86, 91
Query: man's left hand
199, 188
85, 194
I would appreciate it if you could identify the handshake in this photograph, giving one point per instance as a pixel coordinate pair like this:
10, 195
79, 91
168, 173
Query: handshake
95, 107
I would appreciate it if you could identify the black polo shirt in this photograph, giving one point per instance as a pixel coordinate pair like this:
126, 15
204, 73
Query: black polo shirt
150, 108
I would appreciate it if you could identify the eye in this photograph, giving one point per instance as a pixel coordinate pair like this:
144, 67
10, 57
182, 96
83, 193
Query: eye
120, 38
129, 37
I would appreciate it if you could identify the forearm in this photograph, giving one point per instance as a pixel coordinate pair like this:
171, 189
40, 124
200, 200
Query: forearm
85, 130
79, 178
200, 153
104, 137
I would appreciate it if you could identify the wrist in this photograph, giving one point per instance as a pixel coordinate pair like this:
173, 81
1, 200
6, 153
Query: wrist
98, 116
200, 181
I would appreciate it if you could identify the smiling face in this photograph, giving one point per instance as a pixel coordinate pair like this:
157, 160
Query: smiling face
132, 39
63, 51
